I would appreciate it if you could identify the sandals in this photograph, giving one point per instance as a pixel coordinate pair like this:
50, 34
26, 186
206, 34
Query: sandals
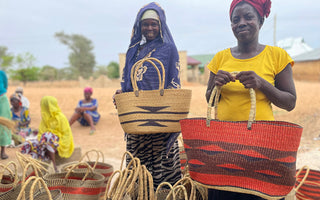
92, 132
4, 156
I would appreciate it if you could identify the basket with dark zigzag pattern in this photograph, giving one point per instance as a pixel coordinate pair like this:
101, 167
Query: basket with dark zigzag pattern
253, 157
152, 111
307, 184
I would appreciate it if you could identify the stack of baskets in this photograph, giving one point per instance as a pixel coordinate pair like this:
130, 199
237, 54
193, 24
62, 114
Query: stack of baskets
78, 180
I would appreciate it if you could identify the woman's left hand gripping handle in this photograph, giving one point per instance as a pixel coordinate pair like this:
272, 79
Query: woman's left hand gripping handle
113, 97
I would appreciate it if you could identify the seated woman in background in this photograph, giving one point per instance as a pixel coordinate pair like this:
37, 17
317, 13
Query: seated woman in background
86, 111
20, 115
54, 134
24, 100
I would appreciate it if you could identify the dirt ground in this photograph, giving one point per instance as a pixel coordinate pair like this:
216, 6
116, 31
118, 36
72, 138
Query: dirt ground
109, 135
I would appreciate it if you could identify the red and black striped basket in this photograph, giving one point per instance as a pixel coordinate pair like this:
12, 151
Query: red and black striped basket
253, 157
307, 184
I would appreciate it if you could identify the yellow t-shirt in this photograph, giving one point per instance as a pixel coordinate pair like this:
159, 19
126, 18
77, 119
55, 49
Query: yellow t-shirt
234, 104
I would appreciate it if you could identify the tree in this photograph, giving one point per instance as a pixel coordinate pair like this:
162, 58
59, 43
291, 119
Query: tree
81, 59
25, 60
26, 71
48, 73
67, 73
6, 59
100, 70
25, 74
113, 70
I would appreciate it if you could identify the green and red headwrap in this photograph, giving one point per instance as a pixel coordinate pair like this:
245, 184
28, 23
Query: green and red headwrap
262, 6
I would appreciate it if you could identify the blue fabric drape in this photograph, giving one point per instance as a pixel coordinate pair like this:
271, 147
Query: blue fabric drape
162, 48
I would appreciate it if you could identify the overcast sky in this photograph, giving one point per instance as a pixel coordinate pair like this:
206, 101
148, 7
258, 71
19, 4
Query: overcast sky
197, 26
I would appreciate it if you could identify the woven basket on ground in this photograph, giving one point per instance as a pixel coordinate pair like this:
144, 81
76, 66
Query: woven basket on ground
98, 165
29, 171
42, 192
77, 185
10, 182
307, 185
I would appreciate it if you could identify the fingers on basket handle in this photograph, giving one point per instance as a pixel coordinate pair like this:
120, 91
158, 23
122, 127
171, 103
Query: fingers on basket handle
215, 94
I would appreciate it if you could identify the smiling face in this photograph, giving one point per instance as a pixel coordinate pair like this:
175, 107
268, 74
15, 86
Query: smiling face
15, 103
87, 95
246, 23
150, 28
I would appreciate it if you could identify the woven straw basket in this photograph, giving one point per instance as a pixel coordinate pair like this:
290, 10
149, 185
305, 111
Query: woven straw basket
76, 185
152, 111
253, 157
308, 184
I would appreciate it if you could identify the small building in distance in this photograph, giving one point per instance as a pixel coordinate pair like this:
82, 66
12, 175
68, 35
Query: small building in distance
294, 46
307, 59
307, 66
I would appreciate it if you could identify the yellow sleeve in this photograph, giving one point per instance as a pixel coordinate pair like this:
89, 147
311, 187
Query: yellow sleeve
283, 59
215, 63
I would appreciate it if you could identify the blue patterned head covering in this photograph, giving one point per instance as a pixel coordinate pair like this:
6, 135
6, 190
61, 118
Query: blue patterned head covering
136, 38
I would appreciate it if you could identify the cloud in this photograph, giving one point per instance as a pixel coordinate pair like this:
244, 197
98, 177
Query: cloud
199, 27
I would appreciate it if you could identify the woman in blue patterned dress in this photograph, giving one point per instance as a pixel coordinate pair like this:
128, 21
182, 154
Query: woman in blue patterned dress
151, 38
20, 115
86, 111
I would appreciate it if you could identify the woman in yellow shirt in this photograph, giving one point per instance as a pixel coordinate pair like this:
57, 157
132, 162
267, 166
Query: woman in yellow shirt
264, 68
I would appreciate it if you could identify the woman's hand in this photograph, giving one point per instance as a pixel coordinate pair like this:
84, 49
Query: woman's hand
79, 110
249, 79
222, 78
113, 97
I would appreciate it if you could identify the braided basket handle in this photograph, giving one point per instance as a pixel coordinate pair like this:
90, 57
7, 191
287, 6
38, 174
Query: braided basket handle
11, 173
36, 181
89, 170
134, 71
162, 185
39, 179
215, 94
123, 160
111, 188
184, 181
37, 172
99, 155
304, 178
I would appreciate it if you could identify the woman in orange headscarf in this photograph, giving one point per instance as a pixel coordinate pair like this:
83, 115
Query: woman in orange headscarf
262, 67
54, 134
